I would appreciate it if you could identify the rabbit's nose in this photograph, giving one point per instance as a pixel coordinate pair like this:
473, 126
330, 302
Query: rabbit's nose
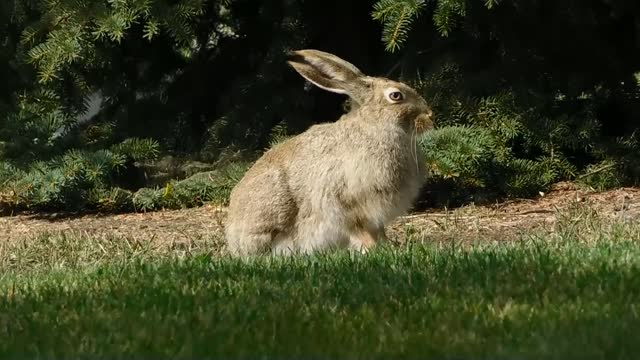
429, 114
424, 122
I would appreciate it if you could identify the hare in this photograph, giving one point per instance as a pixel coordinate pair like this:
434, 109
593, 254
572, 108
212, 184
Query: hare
337, 184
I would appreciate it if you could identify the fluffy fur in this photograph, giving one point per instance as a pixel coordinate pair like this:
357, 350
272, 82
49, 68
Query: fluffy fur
336, 184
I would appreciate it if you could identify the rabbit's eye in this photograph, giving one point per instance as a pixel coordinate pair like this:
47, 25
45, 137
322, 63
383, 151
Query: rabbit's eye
394, 95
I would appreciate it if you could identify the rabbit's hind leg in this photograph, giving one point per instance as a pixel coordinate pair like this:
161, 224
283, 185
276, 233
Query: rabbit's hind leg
247, 240
284, 244
380, 235
362, 241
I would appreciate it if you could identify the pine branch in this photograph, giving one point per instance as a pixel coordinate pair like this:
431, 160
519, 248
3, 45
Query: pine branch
445, 14
597, 170
397, 16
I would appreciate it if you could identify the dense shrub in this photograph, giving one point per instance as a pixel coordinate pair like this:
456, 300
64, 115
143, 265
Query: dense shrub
93, 92
504, 145
79, 182
214, 186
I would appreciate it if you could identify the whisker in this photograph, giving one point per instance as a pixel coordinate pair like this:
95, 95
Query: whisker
414, 148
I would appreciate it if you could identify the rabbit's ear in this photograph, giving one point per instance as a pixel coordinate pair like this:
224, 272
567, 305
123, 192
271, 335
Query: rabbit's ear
326, 71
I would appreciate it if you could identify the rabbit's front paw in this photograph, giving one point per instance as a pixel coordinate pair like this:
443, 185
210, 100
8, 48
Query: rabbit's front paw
361, 242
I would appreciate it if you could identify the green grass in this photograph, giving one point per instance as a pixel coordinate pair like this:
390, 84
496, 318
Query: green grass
526, 301
570, 294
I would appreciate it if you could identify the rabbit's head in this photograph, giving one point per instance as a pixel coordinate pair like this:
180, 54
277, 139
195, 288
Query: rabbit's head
374, 98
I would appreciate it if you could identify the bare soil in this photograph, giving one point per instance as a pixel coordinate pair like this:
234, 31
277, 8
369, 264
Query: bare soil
501, 221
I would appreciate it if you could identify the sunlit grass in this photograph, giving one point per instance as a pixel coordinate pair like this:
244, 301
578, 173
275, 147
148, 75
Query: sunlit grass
572, 294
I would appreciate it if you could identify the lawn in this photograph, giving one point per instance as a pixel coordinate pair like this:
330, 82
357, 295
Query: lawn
574, 294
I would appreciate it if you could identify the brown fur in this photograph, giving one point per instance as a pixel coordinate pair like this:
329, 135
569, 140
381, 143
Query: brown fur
337, 184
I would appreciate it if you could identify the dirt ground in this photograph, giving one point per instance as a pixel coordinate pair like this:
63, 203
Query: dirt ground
501, 221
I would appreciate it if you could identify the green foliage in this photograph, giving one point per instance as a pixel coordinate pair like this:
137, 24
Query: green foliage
214, 186
549, 118
447, 12
31, 131
8, 172
138, 149
83, 181
397, 17
602, 176
462, 153
474, 154
72, 31
527, 142
536, 91
128, 54
110, 200
65, 182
